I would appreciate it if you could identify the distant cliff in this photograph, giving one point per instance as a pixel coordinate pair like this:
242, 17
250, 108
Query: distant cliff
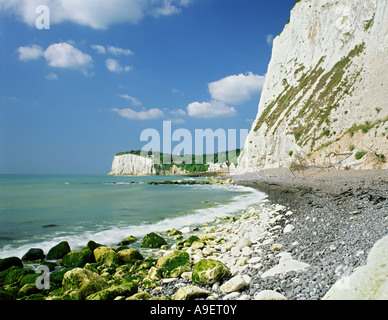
130, 164
325, 97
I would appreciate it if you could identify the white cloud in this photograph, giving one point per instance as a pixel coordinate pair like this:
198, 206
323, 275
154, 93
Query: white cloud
64, 55
212, 109
114, 66
52, 76
134, 101
236, 89
98, 15
30, 53
119, 51
269, 39
139, 115
112, 50
100, 49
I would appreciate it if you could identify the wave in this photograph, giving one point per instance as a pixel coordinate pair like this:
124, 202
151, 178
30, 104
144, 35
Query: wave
113, 235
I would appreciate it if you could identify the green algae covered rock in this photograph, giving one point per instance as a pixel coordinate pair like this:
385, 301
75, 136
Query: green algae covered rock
125, 289
106, 255
129, 254
209, 271
77, 259
79, 283
174, 264
152, 240
58, 251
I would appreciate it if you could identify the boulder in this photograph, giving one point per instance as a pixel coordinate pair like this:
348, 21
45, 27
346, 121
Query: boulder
80, 283
126, 289
77, 259
58, 251
191, 240
4, 296
369, 282
174, 264
129, 254
209, 271
10, 262
13, 275
128, 240
234, 284
93, 245
34, 254
190, 293
152, 240
106, 255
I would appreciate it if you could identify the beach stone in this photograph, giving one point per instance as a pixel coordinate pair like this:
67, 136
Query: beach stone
129, 254
209, 271
191, 240
234, 284
13, 275
190, 293
58, 251
93, 245
128, 240
173, 264
126, 289
106, 255
10, 262
276, 247
288, 228
369, 282
286, 264
185, 230
152, 240
79, 283
269, 295
231, 296
75, 259
34, 254
243, 242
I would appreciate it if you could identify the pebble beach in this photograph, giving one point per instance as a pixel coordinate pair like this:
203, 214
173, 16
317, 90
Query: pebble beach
310, 231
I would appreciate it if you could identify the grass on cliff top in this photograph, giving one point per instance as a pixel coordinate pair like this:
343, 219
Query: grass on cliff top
329, 89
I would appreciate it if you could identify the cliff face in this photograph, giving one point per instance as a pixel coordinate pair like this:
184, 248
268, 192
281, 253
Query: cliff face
130, 164
325, 97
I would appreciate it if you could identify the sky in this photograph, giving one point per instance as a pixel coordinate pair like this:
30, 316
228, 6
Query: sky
81, 80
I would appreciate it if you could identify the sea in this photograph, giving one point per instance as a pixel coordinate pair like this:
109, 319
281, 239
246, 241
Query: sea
39, 211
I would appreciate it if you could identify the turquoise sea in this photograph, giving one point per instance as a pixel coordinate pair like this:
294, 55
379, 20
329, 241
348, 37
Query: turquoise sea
39, 211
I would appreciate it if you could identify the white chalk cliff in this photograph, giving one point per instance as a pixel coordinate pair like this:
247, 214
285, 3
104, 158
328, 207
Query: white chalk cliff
130, 164
325, 97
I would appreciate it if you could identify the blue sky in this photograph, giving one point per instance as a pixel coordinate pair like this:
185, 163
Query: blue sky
74, 95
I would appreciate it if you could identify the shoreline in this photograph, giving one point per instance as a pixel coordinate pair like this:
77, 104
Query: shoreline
321, 227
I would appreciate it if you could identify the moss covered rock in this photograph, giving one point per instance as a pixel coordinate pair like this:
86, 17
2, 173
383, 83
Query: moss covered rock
126, 289
209, 271
128, 240
58, 251
106, 255
79, 283
10, 262
6, 296
77, 259
13, 275
34, 254
174, 264
129, 254
153, 240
